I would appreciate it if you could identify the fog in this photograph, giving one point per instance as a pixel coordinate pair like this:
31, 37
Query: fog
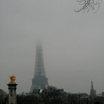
73, 44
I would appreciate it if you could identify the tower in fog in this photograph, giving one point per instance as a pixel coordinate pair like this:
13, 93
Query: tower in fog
39, 80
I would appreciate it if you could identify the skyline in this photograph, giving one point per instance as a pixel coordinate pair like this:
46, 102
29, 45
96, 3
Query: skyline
90, 82
72, 44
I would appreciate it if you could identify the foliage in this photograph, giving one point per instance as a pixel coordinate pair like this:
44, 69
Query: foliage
53, 95
87, 5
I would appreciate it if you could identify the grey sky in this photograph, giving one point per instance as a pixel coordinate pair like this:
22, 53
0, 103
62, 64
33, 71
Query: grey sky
72, 43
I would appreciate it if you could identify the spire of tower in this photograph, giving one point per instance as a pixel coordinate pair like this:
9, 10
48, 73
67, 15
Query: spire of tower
92, 87
92, 90
39, 80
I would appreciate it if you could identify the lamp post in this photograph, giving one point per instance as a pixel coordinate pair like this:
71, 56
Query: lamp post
12, 90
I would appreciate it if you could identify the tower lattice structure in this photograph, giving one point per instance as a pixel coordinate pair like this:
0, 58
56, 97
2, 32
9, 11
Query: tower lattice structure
39, 80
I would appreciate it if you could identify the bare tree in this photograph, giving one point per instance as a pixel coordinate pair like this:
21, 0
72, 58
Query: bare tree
87, 5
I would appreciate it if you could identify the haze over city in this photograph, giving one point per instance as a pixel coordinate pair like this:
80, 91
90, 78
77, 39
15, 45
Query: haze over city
72, 44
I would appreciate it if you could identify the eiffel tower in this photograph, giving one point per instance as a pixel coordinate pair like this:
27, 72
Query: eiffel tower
39, 80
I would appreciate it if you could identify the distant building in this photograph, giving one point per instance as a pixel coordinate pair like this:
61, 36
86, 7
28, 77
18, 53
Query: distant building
39, 80
92, 91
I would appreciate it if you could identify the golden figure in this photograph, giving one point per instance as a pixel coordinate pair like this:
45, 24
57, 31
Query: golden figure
12, 79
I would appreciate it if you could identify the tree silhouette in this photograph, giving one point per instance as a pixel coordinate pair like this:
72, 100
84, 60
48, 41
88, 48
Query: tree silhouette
87, 5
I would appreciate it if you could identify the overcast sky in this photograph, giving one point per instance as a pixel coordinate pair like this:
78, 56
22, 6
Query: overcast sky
73, 44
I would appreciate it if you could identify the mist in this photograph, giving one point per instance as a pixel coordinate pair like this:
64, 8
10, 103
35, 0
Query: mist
72, 44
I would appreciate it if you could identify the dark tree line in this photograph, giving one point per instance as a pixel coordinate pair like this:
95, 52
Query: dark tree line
52, 95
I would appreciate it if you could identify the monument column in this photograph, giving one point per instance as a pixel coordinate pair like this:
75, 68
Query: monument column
12, 90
